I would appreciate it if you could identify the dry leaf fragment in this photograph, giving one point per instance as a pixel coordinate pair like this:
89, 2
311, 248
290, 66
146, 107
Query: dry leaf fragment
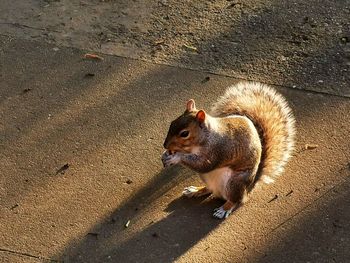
310, 146
93, 56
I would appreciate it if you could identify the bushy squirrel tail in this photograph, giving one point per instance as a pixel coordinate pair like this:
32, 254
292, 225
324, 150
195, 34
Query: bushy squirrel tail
272, 117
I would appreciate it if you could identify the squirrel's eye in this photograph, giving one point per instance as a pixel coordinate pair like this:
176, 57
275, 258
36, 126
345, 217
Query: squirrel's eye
184, 134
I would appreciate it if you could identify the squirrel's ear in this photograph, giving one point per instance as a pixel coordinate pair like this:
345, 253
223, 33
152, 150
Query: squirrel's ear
191, 105
200, 116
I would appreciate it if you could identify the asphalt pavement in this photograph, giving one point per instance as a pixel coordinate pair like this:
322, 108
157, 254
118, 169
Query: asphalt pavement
82, 181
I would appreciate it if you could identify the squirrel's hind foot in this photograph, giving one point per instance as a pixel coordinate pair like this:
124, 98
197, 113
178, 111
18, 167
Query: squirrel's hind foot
224, 211
194, 191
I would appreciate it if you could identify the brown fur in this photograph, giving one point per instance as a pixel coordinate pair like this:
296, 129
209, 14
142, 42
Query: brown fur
174, 142
272, 117
249, 134
228, 205
236, 189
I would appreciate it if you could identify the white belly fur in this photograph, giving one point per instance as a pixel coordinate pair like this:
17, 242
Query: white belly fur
216, 181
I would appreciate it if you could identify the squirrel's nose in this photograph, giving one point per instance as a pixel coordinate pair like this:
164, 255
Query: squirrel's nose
165, 144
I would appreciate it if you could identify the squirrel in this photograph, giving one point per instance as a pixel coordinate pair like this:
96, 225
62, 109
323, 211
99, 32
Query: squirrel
248, 136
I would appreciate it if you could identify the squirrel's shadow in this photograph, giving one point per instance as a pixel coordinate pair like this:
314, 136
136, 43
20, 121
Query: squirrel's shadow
188, 220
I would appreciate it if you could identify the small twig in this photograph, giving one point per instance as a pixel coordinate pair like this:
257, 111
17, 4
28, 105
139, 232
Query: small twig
14, 206
63, 169
289, 193
273, 199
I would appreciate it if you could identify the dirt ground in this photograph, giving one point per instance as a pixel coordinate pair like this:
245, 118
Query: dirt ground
80, 139
301, 44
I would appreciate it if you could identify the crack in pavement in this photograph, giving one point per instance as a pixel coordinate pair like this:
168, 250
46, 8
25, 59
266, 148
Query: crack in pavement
26, 26
248, 79
28, 255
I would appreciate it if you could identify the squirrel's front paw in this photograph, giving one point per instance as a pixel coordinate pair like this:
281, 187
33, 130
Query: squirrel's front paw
170, 159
